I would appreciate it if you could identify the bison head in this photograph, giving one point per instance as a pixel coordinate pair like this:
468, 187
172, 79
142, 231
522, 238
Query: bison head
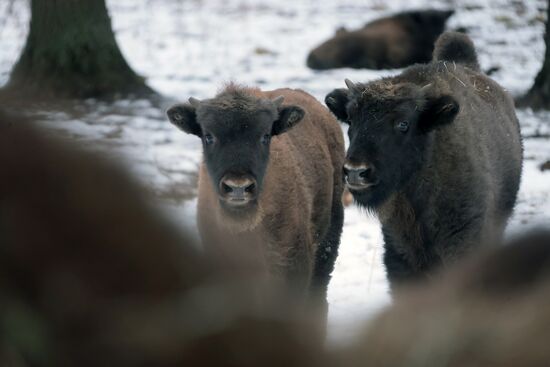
236, 131
391, 132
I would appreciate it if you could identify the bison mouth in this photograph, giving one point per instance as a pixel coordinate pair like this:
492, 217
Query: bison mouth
238, 206
361, 187
237, 203
369, 195
357, 183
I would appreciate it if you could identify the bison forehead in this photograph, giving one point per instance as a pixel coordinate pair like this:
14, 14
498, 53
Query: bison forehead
237, 103
385, 96
388, 90
236, 111
235, 106
225, 121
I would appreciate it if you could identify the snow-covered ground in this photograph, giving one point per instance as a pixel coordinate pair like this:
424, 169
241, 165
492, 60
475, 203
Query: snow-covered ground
189, 48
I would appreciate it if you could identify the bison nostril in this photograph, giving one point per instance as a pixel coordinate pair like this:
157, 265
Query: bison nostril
365, 173
238, 188
358, 174
250, 188
226, 188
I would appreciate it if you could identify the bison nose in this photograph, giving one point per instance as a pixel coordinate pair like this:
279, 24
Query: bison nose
238, 190
358, 175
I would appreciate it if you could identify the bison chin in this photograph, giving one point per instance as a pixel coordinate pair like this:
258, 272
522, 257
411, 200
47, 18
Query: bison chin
371, 197
239, 209
240, 218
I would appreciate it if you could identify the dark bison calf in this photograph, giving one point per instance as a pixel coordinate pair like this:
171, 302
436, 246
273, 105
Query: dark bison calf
393, 42
436, 152
272, 175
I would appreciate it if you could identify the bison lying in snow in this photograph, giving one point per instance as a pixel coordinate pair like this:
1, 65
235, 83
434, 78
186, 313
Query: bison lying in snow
393, 42
436, 153
266, 181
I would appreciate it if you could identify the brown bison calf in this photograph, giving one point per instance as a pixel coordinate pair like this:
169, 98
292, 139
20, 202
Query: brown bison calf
271, 176
393, 42
436, 152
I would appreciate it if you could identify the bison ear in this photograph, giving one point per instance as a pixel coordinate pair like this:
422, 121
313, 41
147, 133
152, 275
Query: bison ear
288, 117
438, 112
185, 118
336, 102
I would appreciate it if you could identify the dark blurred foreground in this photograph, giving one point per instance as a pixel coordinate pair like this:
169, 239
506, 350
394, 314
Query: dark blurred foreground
92, 275
492, 311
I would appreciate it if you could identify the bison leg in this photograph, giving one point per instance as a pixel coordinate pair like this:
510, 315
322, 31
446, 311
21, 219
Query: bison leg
399, 271
327, 251
325, 257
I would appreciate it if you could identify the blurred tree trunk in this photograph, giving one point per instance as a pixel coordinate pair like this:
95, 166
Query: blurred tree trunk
538, 96
71, 52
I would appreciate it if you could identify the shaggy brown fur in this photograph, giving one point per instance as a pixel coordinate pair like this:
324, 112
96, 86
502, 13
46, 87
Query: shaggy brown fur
456, 47
492, 311
301, 193
391, 42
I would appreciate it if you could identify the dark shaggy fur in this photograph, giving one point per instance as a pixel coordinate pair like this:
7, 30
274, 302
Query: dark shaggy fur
293, 210
440, 155
456, 47
493, 310
393, 42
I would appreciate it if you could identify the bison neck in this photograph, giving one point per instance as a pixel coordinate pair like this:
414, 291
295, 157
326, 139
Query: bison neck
235, 244
402, 229
282, 237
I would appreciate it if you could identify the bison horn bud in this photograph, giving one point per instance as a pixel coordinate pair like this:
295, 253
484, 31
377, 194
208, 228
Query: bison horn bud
351, 86
331, 100
426, 87
194, 102
278, 101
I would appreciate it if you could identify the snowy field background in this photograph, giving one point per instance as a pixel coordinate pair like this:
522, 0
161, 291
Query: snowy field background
190, 48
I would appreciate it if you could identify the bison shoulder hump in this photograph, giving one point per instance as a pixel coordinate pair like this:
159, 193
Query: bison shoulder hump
457, 47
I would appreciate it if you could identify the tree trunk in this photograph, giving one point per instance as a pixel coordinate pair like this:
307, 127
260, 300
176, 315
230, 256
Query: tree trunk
71, 52
538, 96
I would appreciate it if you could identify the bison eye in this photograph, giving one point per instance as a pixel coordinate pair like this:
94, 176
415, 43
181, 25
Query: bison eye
265, 139
403, 126
208, 139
